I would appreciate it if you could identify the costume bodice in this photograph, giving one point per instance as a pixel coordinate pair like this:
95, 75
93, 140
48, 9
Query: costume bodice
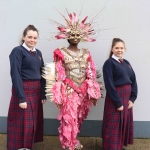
75, 64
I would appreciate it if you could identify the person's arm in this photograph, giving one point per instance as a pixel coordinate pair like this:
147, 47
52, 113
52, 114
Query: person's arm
15, 72
93, 87
134, 90
109, 84
43, 81
58, 87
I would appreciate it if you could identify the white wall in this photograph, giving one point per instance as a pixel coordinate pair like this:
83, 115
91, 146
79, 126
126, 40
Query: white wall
129, 20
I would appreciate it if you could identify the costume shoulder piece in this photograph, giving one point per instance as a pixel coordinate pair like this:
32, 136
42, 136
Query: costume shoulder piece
58, 55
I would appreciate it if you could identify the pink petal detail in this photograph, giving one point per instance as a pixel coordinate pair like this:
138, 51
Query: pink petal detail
58, 55
60, 71
89, 39
56, 90
75, 17
61, 36
70, 16
82, 22
62, 29
93, 89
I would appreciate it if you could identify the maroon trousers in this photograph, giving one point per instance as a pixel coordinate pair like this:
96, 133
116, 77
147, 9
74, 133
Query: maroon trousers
117, 128
25, 126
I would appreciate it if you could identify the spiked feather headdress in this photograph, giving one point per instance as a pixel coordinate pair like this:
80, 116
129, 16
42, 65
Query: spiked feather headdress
74, 27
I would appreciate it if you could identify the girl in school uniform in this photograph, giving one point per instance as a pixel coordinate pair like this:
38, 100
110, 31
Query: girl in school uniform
25, 115
121, 92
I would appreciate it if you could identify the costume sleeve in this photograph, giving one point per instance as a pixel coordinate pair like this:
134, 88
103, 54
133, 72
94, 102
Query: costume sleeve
43, 81
58, 87
93, 87
134, 90
15, 72
109, 84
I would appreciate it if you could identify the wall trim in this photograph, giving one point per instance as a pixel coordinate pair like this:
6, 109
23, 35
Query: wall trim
89, 128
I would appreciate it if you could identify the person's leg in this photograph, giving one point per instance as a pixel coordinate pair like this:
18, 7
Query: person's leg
15, 124
68, 129
83, 110
111, 127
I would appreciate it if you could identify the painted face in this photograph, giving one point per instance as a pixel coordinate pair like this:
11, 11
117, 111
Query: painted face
75, 34
118, 49
74, 37
31, 39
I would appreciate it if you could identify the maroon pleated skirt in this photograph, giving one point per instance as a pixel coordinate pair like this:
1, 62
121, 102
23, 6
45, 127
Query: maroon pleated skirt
25, 126
117, 127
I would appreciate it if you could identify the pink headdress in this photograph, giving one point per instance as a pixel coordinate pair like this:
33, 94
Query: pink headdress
73, 28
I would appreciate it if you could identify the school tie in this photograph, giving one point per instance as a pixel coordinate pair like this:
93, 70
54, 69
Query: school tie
33, 52
121, 60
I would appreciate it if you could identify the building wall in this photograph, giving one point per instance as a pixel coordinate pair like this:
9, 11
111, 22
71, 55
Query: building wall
124, 19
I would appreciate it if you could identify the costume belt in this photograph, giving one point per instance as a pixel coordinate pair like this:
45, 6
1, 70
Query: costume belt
79, 81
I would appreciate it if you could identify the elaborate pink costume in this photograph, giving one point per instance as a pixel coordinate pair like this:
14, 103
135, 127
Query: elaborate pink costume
75, 85
75, 80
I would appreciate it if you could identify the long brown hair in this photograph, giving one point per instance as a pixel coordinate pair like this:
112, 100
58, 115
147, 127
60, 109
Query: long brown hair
114, 41
29, 27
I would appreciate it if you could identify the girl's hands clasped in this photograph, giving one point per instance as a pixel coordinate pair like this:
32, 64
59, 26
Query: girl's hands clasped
130, 105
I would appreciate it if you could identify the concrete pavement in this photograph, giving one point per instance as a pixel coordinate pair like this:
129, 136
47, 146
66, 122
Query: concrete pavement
89, 143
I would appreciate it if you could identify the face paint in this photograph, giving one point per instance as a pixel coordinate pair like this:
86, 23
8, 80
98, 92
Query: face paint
75, 34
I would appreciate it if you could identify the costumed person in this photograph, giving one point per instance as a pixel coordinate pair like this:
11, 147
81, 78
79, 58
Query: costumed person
25, 115
75, 88
121, 92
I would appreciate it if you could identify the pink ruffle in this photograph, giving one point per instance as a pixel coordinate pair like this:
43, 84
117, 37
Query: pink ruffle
93, 89
75, 109
68, 119
58, 55
57, 90
81, 89
58, 58
60, 71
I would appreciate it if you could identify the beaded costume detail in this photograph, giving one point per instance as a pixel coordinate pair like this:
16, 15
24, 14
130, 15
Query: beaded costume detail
75, 65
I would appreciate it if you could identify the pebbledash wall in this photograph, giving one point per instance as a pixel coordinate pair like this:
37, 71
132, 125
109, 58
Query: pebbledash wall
128, 20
